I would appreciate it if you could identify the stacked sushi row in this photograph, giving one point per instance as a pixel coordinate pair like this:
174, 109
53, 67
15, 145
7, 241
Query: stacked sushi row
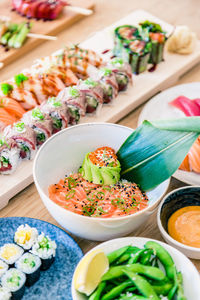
140, 45
22, 261
20, 141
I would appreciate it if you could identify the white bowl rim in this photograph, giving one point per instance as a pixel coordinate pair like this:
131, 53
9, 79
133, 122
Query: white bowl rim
164, 232
70, 212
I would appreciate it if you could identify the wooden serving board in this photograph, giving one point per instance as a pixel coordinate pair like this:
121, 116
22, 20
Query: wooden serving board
144, 86
65, 19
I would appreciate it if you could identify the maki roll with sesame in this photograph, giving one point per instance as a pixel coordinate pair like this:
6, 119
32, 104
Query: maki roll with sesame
123, 72
26, 236
5, 294
10, 253
3, 268
9, 155
40, 123
122, 34
93, 94
57, 112
158, 38
101, 166
30, 265
14, 281
45, 248
25, 138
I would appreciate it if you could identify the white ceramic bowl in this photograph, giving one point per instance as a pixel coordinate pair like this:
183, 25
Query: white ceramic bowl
63, 154
191, 278
184, 196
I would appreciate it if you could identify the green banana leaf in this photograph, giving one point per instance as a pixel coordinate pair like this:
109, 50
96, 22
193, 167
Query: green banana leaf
155, 150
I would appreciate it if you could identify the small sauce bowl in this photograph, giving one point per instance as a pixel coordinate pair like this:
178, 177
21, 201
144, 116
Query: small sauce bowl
179, 198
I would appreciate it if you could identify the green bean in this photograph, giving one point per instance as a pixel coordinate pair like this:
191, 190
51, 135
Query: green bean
180, 292
116, 291
145, 258
172, 292
164, 257
117, 271
97, 293
131, 250
132, 297
142, 285
162, 289
21, 36
135, 257
113, 256
131, 289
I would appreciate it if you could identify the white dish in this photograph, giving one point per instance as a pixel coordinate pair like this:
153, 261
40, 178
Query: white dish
191, 278
158, 108
63, 154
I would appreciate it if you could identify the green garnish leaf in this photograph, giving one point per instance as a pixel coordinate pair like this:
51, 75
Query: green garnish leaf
37, 114
20, 127
117, 61
106, 71
74, 92
20, 78
90, 82
6, 88
54, 102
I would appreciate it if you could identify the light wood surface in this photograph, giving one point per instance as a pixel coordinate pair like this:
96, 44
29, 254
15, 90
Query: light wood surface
64, 21
28, 203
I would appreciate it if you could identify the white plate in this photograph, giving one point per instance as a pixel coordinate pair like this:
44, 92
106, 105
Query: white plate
158, 108
191, 278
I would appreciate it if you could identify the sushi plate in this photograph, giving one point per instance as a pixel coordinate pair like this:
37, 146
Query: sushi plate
55, 283
144, 86
158, 108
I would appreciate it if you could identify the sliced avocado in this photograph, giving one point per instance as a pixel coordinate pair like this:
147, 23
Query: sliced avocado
85, 170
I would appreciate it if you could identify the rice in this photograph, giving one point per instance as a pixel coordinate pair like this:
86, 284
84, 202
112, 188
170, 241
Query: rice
26, 236
44, 247
4, 293
3, 268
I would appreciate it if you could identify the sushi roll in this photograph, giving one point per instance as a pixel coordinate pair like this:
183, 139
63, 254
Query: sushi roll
122, 34
158, 38
45, 248
30, 265
3, 268
57, 112
10, 253
123, 72
25, 236
5, 294
75, 101
9, 155
40, 123
93, 94
25, 138
14, 280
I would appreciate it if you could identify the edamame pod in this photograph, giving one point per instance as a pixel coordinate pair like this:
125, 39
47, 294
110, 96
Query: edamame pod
127, 255
116, 291
180, 292
162, 289
145, 258
133, 297
113, 256
97, 293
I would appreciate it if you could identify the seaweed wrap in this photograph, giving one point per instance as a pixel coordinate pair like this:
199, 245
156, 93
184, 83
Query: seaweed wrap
3, 268
30, 265
75, 101
122, 34
123, 72
5, 294
58, 113
93, 94
45, 248
25, 236
158, 38
25, 138
9, 155
10, 253
14, 280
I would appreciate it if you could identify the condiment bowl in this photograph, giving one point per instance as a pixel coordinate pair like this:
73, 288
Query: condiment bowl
179, 198
63, 154
191, 278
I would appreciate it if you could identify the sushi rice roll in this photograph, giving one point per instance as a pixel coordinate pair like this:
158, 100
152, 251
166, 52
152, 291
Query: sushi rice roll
30, 265
9, 155
25, 236
3, 268
10, 253
14, 280
40, 123
123, 33
122, 71
58, 113
108, 82
25, 138
93, 94
45, 248
5, 294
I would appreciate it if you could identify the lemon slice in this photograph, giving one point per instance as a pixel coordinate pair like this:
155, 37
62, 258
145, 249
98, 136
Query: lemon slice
90, 270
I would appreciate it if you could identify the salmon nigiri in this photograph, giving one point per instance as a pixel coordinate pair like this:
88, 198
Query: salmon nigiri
192, 160
5, 117
12, 106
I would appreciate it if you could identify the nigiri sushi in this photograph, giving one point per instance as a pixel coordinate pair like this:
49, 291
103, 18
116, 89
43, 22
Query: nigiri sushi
192, 160
190, 108
12, 106
5, 117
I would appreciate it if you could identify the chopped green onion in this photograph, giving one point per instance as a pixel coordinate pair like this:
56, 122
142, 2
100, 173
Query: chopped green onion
20, 127
54, 102
20, 78
37, 114
6, 88
73, 92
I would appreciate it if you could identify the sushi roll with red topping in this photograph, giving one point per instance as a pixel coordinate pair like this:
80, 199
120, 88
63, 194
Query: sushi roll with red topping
9, 155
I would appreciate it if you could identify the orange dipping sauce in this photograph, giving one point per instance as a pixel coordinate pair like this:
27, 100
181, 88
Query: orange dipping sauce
184, 226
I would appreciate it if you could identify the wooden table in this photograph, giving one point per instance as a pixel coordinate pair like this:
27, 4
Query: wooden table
28, 203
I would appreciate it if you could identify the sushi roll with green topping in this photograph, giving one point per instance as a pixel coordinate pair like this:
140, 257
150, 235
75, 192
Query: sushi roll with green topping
9, 155
45, 248
124, 33
25, 236
10, 253
5, 294
30, 265
158, 38
3, 268
14, 280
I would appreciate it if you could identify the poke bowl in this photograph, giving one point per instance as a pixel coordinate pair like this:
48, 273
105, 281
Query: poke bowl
63, 154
